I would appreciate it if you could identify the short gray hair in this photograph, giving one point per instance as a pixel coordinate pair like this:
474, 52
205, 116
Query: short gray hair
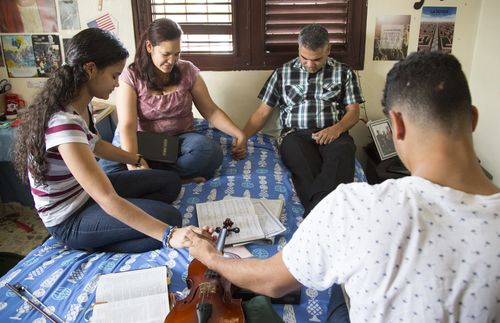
313, 37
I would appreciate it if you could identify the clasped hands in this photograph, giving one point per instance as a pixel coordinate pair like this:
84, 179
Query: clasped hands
200, 241
239, 147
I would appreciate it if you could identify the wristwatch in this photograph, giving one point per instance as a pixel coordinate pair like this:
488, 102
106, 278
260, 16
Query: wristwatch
138, 162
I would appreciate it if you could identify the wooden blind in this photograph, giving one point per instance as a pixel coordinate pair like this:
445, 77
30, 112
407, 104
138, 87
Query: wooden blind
285, 18
207, 24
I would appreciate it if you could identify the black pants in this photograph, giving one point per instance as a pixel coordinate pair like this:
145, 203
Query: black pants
317, 169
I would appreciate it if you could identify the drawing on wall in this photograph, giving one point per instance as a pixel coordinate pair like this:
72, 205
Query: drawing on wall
391, 37
47, 54
436, 29
68, 13
28, 16
19, 57
2, 64
106, 22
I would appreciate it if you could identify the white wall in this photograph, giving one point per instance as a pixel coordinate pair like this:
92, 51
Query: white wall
475, 44
485, 87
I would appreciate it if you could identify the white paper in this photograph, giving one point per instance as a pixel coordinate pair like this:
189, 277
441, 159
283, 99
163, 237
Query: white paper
146, 309
269, 223
240, 211
132, 296
257, 218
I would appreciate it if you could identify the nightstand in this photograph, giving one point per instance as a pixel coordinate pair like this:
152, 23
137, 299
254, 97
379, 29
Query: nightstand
378, 170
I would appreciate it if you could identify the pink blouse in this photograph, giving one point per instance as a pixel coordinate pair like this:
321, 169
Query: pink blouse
165, 113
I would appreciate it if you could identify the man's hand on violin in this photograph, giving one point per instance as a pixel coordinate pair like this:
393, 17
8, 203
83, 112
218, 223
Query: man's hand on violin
202, 248
181, 236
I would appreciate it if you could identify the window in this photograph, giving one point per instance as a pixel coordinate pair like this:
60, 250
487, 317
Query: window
256, 34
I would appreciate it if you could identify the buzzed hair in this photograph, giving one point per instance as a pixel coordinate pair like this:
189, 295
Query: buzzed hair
313, 37
432, 90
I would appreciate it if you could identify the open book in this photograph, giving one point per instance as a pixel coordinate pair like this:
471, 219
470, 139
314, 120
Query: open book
132, 296
258, 219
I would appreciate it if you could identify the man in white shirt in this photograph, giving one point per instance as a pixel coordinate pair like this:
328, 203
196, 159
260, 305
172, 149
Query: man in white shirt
423, 248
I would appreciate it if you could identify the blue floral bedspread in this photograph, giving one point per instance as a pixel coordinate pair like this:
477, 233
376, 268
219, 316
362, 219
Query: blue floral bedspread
65, 280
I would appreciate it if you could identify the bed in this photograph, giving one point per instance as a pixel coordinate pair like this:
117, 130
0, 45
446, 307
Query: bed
65, 280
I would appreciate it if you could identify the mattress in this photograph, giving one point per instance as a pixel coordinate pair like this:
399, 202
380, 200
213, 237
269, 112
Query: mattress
65, 280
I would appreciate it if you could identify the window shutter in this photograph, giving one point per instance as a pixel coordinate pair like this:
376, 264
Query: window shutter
285, 18
207, 24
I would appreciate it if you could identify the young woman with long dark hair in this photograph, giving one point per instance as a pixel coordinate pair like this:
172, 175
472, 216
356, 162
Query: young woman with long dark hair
56, 148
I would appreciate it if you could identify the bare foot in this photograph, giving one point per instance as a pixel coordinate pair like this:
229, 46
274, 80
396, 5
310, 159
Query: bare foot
197, 180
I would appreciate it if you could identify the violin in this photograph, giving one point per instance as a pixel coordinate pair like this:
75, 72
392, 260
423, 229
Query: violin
210, 297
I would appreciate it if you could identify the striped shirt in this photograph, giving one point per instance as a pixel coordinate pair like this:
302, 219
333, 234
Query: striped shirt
311, 100
62, 195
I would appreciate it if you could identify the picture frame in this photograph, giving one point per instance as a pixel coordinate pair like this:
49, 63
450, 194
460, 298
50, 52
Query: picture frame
381, 132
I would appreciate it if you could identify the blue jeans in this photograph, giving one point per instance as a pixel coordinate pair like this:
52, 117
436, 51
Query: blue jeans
91, 228
198, 156
337, 308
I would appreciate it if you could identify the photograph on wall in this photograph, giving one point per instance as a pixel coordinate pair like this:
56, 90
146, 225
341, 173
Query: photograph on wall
391, 38
28, 16
47, 54
19, 56
2, 64
436, 29
68, 13
382, 137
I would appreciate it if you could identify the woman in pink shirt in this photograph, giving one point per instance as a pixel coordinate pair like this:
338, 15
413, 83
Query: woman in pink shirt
156, 94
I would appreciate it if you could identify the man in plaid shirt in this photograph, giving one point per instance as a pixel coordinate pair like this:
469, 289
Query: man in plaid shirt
318, 101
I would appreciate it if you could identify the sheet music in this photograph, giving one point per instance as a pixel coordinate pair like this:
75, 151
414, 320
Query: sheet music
269, 223
240, 211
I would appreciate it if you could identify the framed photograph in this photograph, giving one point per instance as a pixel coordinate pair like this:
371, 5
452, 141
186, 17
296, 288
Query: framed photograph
381, 132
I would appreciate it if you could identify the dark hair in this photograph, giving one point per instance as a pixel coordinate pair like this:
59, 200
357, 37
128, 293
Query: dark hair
313, 37
90, 45
431, 88
158, 31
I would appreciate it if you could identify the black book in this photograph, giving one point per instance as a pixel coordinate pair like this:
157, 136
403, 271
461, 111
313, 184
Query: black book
158, 147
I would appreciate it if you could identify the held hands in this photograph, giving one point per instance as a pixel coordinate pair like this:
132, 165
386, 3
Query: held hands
327, 135
202, 248
181, 237
239, 147
143, 165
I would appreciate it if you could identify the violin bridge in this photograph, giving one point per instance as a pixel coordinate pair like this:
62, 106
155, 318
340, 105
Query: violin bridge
208, 287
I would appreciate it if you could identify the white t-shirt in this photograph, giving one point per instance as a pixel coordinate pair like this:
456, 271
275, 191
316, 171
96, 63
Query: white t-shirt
407, 250
62, 195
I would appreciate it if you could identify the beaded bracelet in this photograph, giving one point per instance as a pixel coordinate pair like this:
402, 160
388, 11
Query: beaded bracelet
168, 235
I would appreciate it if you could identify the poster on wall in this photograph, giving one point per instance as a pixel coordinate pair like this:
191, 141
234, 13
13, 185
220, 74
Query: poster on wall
28, 16
47, 54
391, 38
436, 29
69, 15
19, 56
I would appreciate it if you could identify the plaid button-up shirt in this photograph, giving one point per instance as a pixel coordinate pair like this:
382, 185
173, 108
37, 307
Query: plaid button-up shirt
308, 100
